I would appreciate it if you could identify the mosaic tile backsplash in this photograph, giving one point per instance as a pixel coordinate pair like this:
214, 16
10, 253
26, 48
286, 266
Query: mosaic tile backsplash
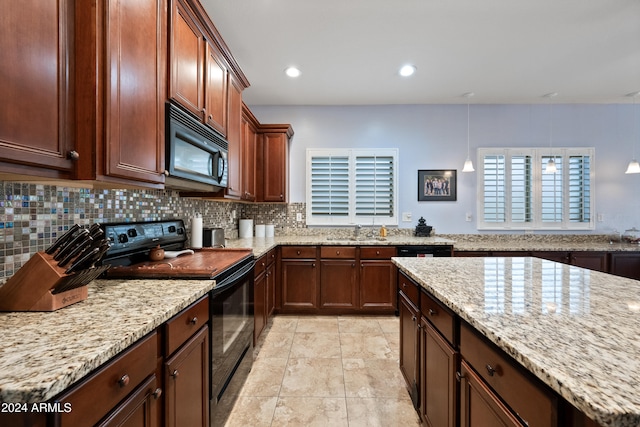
33, 215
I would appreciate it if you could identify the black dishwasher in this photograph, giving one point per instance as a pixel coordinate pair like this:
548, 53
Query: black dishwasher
425, 251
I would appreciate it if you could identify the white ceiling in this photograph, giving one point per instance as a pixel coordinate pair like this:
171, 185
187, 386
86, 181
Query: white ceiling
505, 51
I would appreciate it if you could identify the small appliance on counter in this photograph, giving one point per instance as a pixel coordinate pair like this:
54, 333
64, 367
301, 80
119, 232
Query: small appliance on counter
58, 276
213, 238
422, 229
631, 235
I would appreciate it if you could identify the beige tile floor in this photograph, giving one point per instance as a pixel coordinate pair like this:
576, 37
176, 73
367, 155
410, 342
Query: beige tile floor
326, 371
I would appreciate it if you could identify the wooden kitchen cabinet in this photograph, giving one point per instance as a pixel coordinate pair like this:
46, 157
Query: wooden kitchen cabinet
121, 96
338, 278
234, 137
198, 73
625, 264
378, 279
250, 148
139, 409
408, 301
271, 273
186, 367
299, 280
275, 162
259, 298
37, 111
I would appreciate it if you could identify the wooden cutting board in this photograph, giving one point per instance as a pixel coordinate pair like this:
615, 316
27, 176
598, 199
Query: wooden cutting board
205, 263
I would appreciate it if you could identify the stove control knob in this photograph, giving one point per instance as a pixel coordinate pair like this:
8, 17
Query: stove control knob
132, 232
122, 238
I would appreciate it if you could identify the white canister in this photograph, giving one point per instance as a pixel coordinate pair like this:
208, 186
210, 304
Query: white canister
260, 230
270, 230
245, 229
196, 232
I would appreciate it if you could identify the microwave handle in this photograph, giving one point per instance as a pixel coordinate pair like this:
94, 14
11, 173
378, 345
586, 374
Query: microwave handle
220, 171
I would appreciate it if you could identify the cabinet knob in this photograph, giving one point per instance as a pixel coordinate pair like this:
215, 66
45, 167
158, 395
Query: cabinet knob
262, 263
432, 312
459, 376
490, 370
194, 320
123, 381
166, 172
337, 252
175, 373
210, 117
281, 197
353, 265
73, 155
413, 318
298, 252
313, 265
157, 393
377, 252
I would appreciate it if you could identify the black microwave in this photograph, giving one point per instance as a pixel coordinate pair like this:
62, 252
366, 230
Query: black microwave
196, 155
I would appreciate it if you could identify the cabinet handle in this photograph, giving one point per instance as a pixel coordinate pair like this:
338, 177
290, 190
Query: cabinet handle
337, 252
413, 318
432, 312
459, 376
353, 265
166, 172
123, 381
404, 285
490, 370
194, 320
210, 117
157, 393
281, 196
298, 252
313, 265
175, 373
73, 155
263, 263
377, 252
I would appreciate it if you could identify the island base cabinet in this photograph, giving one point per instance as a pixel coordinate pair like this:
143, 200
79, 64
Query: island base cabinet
138, 410
438, 386
479, 406
409, 338
187, 383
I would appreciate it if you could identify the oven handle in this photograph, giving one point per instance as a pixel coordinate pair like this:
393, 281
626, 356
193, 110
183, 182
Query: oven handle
243, 271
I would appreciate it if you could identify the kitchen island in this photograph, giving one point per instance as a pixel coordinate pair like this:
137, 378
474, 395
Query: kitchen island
574, 329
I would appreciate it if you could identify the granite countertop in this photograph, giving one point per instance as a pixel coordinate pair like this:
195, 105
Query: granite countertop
576, 330
44, 353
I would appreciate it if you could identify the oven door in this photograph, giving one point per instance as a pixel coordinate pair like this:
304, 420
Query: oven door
231, 334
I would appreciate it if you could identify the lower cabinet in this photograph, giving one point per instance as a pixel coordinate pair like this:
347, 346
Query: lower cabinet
625, 264
259, 298
409, 336
338, 278
378, 278
186, 378
479, 406
139, 409
299, 279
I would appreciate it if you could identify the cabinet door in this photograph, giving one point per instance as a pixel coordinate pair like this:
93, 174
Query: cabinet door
259, 306
437, 378
249, 147
378, 285
186, 59
234, 137
271, 290
338, 284
409, 336
591, 260
276, 167
138, 410
135, 88
215, 102
36, 113
187, 383
299, 286
626, 264
479, 407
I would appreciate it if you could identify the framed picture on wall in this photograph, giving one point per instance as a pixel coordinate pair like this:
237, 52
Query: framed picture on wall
437, 185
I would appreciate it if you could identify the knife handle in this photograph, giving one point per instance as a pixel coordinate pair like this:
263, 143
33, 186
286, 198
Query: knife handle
79, 250
82, 260
62, 239
82, 234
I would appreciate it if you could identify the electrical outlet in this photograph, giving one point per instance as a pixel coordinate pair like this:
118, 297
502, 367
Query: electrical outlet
234, 214
299, 216
406, 216
469, 217
600, 217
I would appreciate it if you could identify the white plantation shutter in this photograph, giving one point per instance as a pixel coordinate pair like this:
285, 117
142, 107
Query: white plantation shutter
513, 194
374, 186
351, 186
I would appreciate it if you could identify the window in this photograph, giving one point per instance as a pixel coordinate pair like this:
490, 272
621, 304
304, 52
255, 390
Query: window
515, 193
351, 186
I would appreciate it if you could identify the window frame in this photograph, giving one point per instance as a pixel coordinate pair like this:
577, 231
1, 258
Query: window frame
535, 185
351, 219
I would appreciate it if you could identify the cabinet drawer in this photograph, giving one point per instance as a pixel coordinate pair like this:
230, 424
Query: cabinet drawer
271, 256
339, 252
530, 401
261, 264
298, 252
409, 288
101, 392
440, 316
377, 252
186, 323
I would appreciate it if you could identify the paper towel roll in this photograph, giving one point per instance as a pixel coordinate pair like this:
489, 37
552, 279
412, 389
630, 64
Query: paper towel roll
196, 232
246, 228
270, 230
260, 230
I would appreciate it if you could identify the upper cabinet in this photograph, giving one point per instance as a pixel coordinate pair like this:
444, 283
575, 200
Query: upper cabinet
121, 90
36, 113
199, 78
275, 162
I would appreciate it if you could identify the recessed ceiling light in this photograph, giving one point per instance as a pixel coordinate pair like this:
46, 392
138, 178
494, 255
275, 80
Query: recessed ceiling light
292, 72
407, 70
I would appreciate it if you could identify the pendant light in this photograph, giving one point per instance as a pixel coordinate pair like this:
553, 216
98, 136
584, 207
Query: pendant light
634, 166
468, 164
551, 164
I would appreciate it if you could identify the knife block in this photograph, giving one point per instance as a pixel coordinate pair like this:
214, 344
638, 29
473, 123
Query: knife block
33, 287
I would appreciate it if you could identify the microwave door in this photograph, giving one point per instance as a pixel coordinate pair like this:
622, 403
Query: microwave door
189, 159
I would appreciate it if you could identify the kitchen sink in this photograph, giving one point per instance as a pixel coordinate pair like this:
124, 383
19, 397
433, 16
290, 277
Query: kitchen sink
356, 239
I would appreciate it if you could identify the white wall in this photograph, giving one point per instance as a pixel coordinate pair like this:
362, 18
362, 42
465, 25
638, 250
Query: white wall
435, 137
